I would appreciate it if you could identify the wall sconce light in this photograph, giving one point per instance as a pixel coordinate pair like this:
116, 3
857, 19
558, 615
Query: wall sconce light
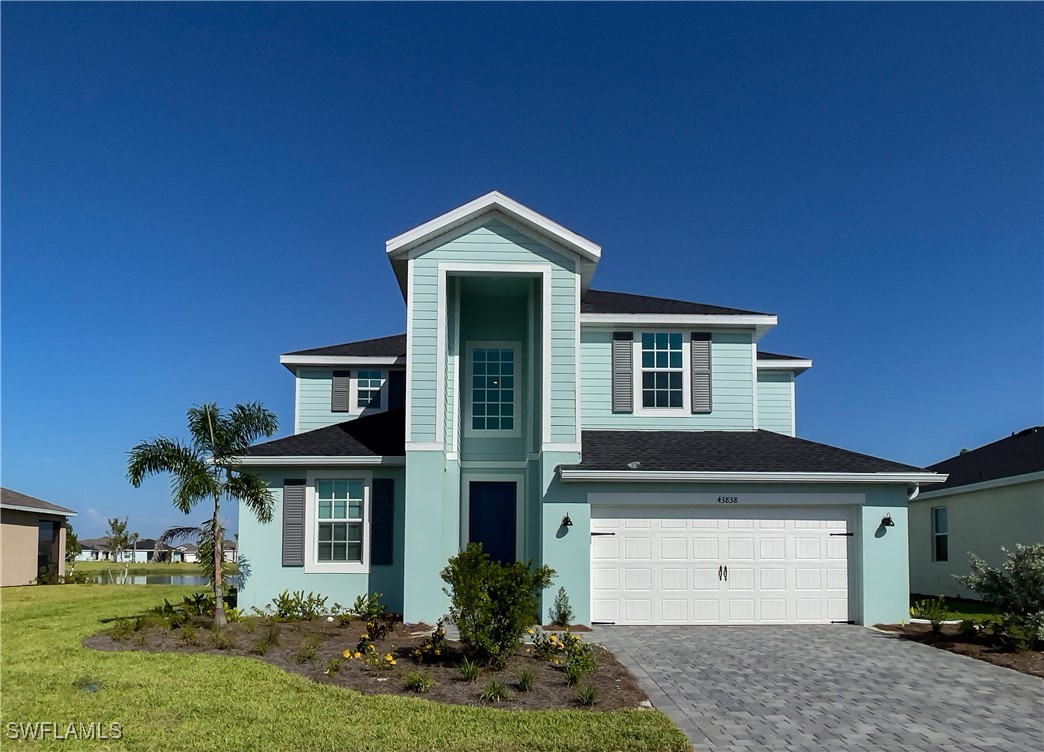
886, 521
566, 522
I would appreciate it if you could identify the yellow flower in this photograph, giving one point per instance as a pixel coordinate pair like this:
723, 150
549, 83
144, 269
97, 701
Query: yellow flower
346, 654
387, 656
358, 654
437, 651
393, 663
530, 630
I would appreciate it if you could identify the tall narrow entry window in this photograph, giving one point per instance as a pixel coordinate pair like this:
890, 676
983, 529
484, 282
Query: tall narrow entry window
493, 388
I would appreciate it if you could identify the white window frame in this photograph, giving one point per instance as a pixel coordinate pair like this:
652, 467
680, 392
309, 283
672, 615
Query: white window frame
311, 531
936, 534
469, 374
353, 393
637, 370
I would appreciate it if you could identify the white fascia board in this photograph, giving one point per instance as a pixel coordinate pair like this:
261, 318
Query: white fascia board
37, 510
298, 461
683, 319
797, 366
1011, 480
295, 361
494, 200
656, 476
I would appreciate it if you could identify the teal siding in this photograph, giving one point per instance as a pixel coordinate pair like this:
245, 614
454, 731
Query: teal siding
263, 575
313, 399
494, 242
732, 386
775, 401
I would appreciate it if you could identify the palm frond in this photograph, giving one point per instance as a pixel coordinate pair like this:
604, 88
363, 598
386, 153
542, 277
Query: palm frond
192, 486
252, 493
204, 425
160, 455
248, 423
172, 534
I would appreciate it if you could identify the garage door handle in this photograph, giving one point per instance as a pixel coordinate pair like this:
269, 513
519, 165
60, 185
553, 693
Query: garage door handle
726, 573
719, 573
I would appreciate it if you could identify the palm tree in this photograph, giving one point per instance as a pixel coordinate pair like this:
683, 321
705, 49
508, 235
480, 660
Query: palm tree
206, 468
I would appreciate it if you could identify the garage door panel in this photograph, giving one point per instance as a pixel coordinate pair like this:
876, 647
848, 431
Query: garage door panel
666, 565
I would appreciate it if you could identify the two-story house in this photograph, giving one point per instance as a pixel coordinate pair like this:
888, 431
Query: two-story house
642, 447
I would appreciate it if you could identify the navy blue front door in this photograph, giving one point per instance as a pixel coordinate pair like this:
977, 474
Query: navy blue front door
491, 518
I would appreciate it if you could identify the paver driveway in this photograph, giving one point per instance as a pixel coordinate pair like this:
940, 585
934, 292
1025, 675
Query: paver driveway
842, 687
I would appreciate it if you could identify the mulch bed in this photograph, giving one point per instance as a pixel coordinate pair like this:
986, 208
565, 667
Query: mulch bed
616, 688
984, 647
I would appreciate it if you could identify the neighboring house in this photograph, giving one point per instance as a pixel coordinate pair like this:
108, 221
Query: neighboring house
994, 497
94, 549
642, 447
32, 538
144, 551
188, 552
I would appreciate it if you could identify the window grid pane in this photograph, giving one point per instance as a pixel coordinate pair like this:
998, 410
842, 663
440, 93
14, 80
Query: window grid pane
662, 369
493, 394
340, 514
368, 387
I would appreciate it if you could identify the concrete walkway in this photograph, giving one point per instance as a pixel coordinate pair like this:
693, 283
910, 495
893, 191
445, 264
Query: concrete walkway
841, 687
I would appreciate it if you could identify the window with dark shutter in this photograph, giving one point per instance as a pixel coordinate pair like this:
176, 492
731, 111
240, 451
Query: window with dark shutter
701, 372
293, 523
339, 390
382, 519
623, 385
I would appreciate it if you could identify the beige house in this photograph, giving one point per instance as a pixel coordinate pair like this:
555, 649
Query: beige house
32, 538
994, 497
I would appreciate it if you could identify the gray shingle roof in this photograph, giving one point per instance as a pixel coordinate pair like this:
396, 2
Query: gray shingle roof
392, 346
722, 451
1018, 454
762, 355
9, 498
380, 435
602, 301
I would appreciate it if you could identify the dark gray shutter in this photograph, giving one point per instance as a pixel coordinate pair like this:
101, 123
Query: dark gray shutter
381, 524
623, 384
701, 372
396, 389
293, 523
339, 390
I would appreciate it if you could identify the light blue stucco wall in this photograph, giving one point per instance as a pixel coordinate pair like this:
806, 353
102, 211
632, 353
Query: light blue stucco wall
775, 401
263, 575
492, 243
885, 560
432, 531
732, 386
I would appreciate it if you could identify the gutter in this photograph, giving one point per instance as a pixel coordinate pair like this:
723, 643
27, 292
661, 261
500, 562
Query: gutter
693, 476
305, 461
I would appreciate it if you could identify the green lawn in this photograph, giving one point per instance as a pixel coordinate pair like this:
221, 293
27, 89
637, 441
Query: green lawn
94, 567
961, 608
205, 702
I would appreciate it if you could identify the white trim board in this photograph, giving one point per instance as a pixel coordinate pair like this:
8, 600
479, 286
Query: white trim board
486, 204
36, 510
301, 461
297, 361
660, 476
1011, 480
758, 499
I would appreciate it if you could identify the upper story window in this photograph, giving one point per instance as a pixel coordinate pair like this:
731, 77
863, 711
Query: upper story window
940, 535
663, 370
368, 390
339, 520
493, 395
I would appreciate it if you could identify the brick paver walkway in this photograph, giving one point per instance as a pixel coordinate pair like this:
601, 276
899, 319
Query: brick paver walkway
741, 689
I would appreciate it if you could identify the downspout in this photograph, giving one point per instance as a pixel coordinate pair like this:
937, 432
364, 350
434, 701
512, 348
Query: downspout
913, 494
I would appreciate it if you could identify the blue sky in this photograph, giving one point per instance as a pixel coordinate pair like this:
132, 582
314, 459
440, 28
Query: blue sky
190, 190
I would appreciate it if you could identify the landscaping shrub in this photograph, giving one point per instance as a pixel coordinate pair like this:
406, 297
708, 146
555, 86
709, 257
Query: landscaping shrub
434, 648
492, 603
298, 606
1017, 589
932, 610
221, 640
122, 629
469, 670
587, 695
307, 650
379, 622
494, 691
561, 613
524, 680
418, 681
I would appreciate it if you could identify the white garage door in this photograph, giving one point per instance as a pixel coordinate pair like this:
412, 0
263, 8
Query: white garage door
677, 565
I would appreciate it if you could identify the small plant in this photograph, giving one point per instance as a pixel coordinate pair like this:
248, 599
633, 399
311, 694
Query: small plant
970, 629
222, 640
188, 634
434, 648
198, 604
579, 655
306, 651
374, 659
298, 606
122, 629
418, 681
524, 680
469, 670
587, 695
932, 610
334, 664
492, 603
573, 673
561, 613
259, 648
494, 691
270, 633
233, 615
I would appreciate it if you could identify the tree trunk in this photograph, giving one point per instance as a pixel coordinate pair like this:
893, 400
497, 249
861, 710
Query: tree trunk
219, 600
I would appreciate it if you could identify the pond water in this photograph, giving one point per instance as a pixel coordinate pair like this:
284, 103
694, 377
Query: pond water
153, 579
